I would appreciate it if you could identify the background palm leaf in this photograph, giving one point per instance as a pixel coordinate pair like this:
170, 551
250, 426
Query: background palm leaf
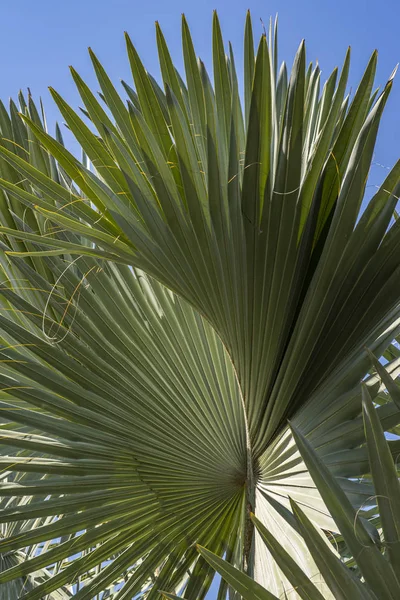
17, 587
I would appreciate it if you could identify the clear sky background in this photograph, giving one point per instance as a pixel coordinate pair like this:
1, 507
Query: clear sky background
40, 38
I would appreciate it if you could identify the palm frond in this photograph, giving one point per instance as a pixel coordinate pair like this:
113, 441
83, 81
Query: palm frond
168, 302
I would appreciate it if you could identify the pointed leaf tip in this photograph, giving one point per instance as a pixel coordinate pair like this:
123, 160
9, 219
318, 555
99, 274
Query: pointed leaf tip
393, 74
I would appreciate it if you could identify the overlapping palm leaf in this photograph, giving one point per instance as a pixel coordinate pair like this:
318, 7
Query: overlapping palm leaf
375, 553
157, 417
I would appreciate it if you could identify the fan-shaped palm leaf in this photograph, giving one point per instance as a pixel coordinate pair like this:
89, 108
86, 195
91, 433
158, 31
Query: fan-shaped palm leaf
158, 418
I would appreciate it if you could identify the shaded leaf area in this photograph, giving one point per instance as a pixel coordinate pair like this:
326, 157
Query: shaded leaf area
201, 275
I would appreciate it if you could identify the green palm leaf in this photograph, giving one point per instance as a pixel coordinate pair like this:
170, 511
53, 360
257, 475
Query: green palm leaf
171, 300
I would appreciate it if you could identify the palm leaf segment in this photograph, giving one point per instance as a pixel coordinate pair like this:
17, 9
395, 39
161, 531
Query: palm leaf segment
134, 411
